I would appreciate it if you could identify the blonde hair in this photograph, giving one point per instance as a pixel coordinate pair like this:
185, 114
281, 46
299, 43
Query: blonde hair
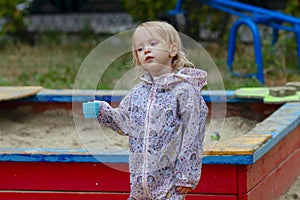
170, 35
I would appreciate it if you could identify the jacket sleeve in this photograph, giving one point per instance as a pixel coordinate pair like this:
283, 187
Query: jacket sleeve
193, 113
117, 119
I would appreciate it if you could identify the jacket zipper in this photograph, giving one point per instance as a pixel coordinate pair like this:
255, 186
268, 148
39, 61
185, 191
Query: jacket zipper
146, 142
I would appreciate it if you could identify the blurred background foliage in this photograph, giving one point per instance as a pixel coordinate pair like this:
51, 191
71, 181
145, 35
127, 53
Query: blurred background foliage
51, 59
198, 15
201, 16
12, 25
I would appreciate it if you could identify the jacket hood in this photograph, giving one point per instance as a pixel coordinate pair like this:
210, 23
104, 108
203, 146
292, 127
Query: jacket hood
196, 77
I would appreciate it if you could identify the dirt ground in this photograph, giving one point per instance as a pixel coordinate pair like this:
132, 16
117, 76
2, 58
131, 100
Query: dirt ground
57, 129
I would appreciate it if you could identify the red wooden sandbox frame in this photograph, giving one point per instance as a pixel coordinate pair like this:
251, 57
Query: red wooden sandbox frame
74, 174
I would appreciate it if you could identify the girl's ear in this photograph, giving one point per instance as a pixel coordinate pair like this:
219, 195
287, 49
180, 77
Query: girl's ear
173, 49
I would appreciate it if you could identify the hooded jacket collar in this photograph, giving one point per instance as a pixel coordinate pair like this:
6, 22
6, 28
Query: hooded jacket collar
196, 77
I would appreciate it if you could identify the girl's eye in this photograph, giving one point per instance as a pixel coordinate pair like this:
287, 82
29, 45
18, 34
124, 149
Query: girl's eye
140, 49
153, 43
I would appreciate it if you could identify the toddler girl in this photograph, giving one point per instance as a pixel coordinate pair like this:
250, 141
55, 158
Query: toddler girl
164, 116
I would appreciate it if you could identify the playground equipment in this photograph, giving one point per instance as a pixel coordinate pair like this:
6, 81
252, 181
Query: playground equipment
261, 164
251, 16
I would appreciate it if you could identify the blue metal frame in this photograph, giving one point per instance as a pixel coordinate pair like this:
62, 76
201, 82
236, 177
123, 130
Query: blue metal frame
255, 15
258, 52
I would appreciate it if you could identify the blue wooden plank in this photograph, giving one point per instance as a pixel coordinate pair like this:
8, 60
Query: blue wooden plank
284, 120
60, 155
228, 159
239, 160
110, 96
225, 96
18, 157
81, 155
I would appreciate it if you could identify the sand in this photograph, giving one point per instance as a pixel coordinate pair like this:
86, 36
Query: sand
57, 129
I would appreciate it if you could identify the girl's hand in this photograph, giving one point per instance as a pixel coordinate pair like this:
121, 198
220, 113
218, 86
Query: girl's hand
183, 190
91, 109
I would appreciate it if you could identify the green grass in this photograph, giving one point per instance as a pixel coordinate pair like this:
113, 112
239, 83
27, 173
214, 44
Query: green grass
54, 60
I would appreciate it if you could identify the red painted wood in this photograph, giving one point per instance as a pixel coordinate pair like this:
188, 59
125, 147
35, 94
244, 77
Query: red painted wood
218, 179
211, 197
279, 180
250, 177
242, 181
34, 195
37, 106
62, 176
262, 108
31, 195
273, 158
254, 111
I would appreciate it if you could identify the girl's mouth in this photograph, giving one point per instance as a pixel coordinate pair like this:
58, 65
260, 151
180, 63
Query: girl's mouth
148, 58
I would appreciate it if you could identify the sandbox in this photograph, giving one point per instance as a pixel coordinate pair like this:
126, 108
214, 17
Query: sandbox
260, 163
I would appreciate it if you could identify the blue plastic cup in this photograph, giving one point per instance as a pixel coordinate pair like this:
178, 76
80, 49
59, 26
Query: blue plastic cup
91, 109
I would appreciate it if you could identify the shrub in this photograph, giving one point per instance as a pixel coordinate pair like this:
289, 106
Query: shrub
12, 25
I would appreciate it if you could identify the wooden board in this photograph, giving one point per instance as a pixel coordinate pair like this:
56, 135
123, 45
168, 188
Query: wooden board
43, 180
242, 145
97, 177
73, 195
217, 179
17, 92
271, 175
69, 195
291, 98
275, 157
280, 179
58, 176
252, 92
263, 93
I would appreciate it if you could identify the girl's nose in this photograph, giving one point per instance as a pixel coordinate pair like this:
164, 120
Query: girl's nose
147, 50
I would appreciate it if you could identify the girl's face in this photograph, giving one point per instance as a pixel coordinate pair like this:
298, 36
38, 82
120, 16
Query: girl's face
153, 52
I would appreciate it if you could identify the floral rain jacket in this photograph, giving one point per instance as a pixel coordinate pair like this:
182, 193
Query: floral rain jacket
165, 122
